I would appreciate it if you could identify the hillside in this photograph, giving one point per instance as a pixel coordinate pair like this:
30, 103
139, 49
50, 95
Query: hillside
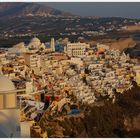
121, 44
132, 28
11, 10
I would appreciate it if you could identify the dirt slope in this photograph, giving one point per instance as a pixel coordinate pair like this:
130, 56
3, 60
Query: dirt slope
121, 44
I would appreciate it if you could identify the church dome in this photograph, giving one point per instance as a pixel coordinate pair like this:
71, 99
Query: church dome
6, 84
35, 41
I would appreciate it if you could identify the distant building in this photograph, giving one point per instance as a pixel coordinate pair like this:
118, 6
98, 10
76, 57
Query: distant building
77, 61
33, 61
18, 48
29, 87
52, 44
3, 58
65, 49
99, 46
77, 49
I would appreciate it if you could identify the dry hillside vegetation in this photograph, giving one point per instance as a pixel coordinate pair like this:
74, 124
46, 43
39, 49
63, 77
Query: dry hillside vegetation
121, 44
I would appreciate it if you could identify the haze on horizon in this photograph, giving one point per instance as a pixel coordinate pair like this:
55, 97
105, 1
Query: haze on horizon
101, 9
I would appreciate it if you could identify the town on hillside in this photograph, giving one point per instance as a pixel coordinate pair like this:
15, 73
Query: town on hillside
43, 86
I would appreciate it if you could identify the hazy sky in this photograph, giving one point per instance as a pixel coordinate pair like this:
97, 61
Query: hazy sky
123, 9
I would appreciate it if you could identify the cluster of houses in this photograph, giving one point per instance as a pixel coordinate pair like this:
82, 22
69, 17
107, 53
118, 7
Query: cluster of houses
81, 74
34, 67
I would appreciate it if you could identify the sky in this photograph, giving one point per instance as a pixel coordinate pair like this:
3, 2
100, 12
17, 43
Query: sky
103, 9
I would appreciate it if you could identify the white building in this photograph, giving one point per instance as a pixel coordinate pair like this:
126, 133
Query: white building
29, 87
77, 49
3, 59
9, 114
52, 44
18, 48
77, 61
102, 46
32, 59
65, 49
